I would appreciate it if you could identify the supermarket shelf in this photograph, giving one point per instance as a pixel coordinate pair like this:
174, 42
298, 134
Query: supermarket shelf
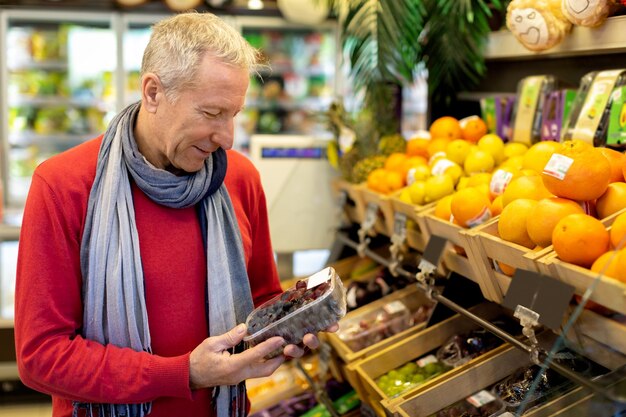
32, 138
50, 65
315, 103
606, 39
543, 357
9, 232
44, 101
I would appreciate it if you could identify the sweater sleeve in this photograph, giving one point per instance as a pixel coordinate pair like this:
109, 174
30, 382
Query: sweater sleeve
52, 356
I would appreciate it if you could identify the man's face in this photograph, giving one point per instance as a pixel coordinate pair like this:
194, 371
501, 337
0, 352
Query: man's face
202, 119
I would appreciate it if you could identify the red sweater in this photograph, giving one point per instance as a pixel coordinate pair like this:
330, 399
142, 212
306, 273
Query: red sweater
53, 358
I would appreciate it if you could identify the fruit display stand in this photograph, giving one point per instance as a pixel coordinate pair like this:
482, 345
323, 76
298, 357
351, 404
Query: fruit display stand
416, 234
353, 206
487, 247
411, 297
458, 241
412, 348
384, 222
607, 291
502, 363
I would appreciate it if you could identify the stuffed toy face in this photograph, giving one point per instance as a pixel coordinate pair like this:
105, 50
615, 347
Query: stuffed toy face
530, 27
537, 24
589, 13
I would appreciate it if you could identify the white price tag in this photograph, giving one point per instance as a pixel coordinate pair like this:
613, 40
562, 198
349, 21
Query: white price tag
480, 398
347, 137
394, 307
482, 217
507, 414
318, 278
499, 180
558, 165
440, 166
422, 362
410, 176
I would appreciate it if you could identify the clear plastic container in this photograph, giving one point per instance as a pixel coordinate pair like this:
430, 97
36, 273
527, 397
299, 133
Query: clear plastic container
311, 305
365, 330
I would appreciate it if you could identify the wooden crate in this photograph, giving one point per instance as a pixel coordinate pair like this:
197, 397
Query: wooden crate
483, 374
608, 332
384, 214
412, 348
417, 235
487, 248
455, 256
353, 209
411, 296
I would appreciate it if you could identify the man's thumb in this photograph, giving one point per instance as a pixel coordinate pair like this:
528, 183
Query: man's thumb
235, 335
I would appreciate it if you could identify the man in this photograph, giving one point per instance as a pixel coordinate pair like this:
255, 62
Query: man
140, 255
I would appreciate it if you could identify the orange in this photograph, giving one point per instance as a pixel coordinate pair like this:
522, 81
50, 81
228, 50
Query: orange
528, 186
539, 154
618, 231
612, 201
417, 147
616, 160
445, 127
393, 181
506, 269
376, 180
606, 264
443, 208
512, 222
580, 239
545, 215
470, 207
395, 160
437, 145
496, 206
472, 128
588, 176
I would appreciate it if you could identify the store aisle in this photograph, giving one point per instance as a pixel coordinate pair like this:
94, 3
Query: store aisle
26, 410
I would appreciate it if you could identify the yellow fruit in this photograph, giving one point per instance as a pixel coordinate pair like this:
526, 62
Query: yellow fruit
514, 149
405, 196
515, 162
457, 150
530, 186
478, 161
492, 144
496, 206
417, 192
437, 187
463, 183
539, 154
612, 201
479, 178
445, 166
442, 208
512, 222
418, 173
545, 215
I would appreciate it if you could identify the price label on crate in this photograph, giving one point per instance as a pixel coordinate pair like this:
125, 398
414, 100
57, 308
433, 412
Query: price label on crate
422, 362
544, 295
480, 398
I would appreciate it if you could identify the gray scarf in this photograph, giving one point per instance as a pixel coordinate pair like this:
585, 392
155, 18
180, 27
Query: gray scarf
113, 287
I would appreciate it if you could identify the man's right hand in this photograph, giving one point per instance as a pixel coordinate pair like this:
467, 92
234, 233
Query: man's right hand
211, 364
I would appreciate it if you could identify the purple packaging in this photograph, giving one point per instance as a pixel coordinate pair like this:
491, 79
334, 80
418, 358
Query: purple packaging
504, 116
555, 111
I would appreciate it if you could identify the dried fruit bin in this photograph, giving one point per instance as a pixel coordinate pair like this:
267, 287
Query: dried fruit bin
484, 374
412, 298
416, 234
455, 256
608, 291
411, 348
313, 304
384, 212
488, 247
353, 207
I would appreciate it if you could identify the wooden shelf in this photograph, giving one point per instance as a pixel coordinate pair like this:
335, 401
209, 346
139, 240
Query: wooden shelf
606, 39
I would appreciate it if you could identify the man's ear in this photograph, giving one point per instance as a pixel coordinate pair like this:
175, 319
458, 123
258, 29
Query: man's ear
151, 92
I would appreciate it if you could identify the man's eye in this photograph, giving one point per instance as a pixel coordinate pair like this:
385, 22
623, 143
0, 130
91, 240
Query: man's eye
211, 115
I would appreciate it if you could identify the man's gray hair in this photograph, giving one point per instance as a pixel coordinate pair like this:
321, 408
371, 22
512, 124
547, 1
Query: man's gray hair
178, 44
